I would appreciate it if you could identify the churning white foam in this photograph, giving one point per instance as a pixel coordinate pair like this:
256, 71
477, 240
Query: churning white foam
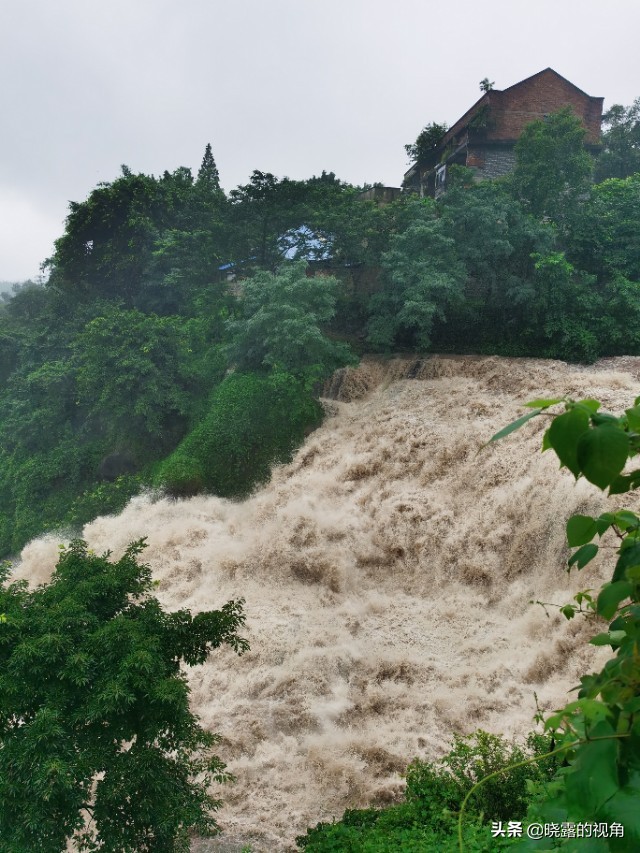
387, 573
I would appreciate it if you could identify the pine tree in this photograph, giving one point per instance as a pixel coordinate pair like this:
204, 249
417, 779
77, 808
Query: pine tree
208, 173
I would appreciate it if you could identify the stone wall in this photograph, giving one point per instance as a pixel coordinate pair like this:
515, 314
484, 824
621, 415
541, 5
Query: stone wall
491, 161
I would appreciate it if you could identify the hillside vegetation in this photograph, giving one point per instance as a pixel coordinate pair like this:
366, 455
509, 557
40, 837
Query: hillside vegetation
173, 315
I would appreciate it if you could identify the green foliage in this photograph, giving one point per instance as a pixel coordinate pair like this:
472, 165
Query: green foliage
96, 737
568, 308
134, 377
253, 422
599, 733
604, 239
112, 240
208, 176
496, 241
434, 794
426, 142
424, 279
553, 170
281, 326
103, 499
477, 272
108, 239
395, 829
440, 790
87, 382
273, 218
37, 403
183, 271
620, 156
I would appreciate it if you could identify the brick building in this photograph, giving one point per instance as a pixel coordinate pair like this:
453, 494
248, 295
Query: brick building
484, 138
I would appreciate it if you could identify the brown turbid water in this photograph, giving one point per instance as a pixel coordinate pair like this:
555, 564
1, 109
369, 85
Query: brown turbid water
387, 573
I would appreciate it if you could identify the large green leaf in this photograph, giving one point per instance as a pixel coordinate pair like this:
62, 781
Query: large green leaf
593, 777
564, 433
608, 638
592, 710
604, 522
633, 418
611, 596
512, 427
625, 519
583, 555
590, 405
544, 403
602, 453
629, 557
580, 530
625, 483
623, 808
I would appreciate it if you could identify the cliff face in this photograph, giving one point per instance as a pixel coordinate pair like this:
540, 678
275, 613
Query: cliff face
387, 573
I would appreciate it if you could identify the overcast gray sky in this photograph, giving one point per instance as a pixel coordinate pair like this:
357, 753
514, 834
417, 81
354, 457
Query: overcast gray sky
286, 86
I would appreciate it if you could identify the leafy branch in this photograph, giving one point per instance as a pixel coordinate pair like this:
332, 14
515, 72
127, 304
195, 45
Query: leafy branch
534, 760
570, 610
600, 731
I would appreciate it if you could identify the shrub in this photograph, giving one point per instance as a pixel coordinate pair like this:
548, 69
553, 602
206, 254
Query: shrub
253, 422
434, 795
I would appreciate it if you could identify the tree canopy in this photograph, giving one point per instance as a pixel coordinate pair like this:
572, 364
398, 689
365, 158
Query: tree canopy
620, 155
427, 140
553, 170
282, 321
98, 741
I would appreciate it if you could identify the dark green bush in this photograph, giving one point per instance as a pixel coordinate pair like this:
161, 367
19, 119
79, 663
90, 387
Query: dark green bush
103, 499
427, 820
439, 789
253, 422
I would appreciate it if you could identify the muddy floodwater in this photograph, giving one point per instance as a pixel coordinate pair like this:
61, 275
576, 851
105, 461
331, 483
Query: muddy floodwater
387, 573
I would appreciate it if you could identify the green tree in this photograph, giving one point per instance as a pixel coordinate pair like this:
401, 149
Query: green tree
495, 240
108, 240
97, 742
282, 324
273, 219
184, 274
620, 155
426, 142
553, 170
208, 172
184, 265
261, 211
424, 279
111, 240
136, 378
605, 238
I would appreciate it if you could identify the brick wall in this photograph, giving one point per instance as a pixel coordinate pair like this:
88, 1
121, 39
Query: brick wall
512, 109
